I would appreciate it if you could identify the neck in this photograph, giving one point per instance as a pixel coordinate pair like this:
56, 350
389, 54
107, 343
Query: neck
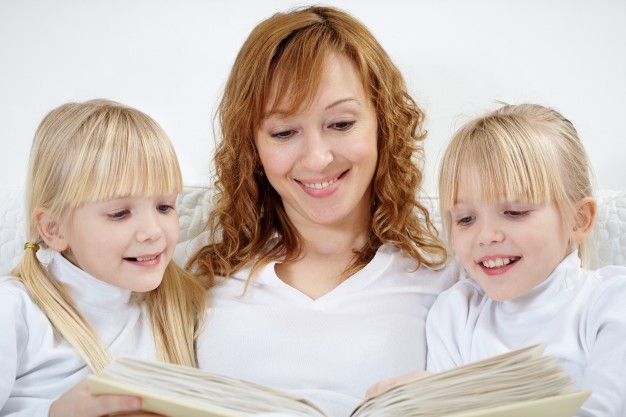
339, 239
327, 250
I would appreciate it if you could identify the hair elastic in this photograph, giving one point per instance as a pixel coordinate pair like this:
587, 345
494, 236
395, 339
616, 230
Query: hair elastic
31, 245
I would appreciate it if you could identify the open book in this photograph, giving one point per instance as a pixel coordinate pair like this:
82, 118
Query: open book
520, 383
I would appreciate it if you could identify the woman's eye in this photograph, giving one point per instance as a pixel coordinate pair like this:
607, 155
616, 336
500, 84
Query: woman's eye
341, 126
282, 135
165, 208
117, 215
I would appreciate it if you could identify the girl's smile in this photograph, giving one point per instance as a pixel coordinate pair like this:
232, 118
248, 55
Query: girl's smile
508, 248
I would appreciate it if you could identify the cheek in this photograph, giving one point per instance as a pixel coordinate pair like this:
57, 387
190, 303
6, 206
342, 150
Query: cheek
362, 149
276, 162
174, 229
459, 243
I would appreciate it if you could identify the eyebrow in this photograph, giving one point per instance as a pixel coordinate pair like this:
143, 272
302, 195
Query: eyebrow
343, 100
330, 106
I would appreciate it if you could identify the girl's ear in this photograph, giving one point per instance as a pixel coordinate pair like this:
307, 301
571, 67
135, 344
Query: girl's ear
49, 230
585, 215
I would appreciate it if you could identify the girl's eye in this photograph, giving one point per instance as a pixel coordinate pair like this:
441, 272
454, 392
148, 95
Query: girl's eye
285, 134
165, 208
517, 213
464, 221
118, 215
341, 126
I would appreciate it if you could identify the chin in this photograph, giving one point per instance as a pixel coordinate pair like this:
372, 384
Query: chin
502, 295
147, 286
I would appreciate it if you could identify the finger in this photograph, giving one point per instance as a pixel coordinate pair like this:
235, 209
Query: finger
376, 389
107, 404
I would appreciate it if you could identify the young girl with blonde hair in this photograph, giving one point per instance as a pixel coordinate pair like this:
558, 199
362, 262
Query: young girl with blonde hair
101, 194
517, 206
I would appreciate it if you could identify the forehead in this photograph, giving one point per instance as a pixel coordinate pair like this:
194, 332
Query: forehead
339, 79
469, 186
474, 185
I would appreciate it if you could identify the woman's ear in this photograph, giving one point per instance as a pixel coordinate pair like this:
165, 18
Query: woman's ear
585, 215
50, 230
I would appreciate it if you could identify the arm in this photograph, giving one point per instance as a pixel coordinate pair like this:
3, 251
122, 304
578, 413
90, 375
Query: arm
604, 328
23, 400
449, 319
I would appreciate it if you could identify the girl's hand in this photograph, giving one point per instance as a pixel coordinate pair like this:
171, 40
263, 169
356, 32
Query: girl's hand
382, 386
78, 402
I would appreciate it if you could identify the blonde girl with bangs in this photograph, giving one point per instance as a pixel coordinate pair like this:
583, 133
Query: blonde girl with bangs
517, 206
321, 260
101, 192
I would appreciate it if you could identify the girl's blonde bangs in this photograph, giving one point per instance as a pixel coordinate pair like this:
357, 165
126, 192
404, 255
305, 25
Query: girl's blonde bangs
507, 161
119, 153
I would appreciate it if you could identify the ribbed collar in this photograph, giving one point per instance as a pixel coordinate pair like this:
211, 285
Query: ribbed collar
86, 289
564, 280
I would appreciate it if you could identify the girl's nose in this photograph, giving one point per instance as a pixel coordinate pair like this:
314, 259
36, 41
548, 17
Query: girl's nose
149, 229
490, 233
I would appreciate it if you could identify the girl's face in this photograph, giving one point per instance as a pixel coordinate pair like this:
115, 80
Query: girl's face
508, 248
321, 161
126, 242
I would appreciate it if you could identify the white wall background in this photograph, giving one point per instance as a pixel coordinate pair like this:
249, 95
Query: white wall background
171, 59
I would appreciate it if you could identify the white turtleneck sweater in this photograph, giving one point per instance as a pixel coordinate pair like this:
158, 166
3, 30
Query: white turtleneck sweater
37, 366
580, 315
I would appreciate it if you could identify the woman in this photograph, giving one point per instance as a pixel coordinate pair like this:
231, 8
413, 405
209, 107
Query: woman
322, 262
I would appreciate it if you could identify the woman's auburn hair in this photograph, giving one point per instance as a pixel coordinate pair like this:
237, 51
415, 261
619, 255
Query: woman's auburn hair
285, 56
94, 151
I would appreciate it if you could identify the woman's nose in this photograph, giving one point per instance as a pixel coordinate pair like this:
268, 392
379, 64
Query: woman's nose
317, 152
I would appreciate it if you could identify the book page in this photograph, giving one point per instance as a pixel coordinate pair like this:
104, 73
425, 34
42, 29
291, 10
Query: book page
514, 379
515, 384
199, 393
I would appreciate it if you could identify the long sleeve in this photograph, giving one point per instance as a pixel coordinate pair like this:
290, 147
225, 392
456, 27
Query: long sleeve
604, 328
36, 365
18, 316
579, 315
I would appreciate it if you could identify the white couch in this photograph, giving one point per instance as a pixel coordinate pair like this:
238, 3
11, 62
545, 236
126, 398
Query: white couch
194, 203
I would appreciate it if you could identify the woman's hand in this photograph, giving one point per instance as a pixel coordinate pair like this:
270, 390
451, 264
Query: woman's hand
78, 402
382, 386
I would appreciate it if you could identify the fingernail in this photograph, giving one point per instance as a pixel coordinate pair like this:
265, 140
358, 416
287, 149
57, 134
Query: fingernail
135, 404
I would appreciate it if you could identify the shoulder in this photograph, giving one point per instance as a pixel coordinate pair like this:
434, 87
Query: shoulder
16, 305
605, 287
398, 264
458, 300
13, 292
449, 319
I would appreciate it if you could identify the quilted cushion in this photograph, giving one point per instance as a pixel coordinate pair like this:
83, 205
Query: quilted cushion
194, 203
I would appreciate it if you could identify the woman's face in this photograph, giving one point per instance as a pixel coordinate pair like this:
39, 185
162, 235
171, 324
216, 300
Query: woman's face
321, 160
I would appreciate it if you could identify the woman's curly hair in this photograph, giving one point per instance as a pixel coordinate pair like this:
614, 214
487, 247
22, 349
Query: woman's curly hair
285, 56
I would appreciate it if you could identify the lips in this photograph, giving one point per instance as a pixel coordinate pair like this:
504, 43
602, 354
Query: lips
498, 262
146, 260
497, 265
320, 185
323, 183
